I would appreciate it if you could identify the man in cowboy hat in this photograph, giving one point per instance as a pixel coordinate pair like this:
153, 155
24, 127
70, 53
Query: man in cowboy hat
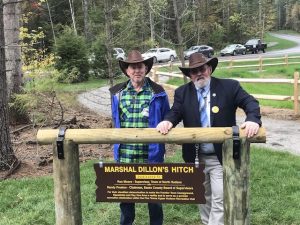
207, 101
138, 103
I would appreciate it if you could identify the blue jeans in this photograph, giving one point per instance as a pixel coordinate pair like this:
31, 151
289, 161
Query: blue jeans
128, 213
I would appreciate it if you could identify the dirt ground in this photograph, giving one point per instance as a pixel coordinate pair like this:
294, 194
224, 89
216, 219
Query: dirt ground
37, 160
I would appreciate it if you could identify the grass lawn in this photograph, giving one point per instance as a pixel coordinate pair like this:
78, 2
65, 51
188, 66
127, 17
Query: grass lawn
275, 196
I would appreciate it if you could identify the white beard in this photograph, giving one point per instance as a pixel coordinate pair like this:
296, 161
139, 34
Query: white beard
201, 83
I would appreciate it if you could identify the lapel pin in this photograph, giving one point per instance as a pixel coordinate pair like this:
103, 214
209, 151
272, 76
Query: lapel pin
215, 109
214, 95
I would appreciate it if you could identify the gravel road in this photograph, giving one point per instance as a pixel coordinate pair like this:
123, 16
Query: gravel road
282, 135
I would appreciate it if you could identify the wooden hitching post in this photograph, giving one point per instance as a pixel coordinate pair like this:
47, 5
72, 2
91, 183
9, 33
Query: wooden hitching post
236, 184
66, 175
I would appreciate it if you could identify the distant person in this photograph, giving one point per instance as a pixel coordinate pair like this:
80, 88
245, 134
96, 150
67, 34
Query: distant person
207, 101
260, 47
138, 103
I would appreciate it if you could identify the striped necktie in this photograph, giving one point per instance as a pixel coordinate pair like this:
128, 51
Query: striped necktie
202, 108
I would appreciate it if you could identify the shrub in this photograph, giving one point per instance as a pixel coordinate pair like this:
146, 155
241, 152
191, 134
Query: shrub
72, 55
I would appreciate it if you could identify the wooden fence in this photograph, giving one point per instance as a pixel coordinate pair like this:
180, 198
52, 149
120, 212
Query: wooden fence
285, 61
261, 62
66, 170
157, 76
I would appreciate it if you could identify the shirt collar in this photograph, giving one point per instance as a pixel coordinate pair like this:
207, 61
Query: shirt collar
130, 86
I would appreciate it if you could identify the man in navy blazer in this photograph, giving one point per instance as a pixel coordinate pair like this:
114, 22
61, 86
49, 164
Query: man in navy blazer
207, 101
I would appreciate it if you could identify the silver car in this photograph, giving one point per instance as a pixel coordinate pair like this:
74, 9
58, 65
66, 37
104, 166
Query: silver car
204, 49
160, 54
233, 49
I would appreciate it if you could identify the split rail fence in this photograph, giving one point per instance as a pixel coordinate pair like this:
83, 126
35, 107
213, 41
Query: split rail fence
261, 62
66, 172
157, 76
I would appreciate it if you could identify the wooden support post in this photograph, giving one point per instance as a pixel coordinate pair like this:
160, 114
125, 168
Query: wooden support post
296, 93
66, 176
171, 67
155, 75
236, 184
260, 64
286, 60
231, 63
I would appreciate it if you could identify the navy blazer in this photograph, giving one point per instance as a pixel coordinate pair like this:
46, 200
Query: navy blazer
226, 94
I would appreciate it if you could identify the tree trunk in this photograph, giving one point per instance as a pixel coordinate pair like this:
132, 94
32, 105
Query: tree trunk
71, 3
260, 19
51, 22
179, 36
11, 20
108, 18
85, 9
152, 32
7, 157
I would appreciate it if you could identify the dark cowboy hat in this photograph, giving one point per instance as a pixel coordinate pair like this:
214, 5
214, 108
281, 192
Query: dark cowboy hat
197, 60
135, 57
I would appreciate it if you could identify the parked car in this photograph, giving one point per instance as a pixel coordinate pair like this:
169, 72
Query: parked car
204, 49
233, 49
119, 54
160, 54
255, 45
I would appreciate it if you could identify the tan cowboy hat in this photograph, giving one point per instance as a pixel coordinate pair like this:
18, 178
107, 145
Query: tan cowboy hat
197, 60
135, 57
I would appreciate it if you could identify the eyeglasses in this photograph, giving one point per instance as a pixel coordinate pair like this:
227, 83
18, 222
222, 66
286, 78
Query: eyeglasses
201, 69
136, 66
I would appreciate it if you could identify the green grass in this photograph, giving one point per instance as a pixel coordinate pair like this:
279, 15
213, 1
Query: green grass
45, 83
281, 43
288, 32
66, 93
274, 185
275, 180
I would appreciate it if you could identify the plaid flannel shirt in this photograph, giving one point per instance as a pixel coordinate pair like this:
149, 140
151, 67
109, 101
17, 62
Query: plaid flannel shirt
134, 113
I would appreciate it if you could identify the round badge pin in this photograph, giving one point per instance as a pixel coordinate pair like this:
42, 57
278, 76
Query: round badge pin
215, 109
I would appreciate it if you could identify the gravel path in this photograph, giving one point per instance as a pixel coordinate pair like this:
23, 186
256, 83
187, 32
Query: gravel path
282, 135
97, 100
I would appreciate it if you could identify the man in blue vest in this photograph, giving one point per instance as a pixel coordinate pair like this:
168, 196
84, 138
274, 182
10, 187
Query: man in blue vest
138, 103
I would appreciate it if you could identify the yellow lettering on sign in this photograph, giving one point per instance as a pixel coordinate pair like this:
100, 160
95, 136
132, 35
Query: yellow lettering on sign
153, 169
182, 169
119, 169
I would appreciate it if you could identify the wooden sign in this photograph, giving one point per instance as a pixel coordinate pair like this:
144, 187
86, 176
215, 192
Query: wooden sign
163, 182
